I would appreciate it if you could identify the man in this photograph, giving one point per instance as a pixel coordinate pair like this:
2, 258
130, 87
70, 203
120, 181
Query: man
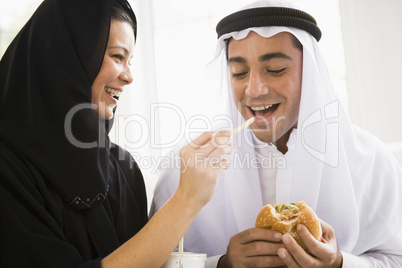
302, 147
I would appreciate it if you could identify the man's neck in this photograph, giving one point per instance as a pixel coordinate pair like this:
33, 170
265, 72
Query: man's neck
281, 143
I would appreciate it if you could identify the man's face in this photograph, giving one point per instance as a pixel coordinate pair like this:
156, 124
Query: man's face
266, 76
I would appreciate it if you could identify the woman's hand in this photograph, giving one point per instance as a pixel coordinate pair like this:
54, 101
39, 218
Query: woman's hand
201, 163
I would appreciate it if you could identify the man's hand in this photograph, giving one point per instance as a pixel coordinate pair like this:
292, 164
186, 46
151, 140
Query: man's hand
323, 253
253, 248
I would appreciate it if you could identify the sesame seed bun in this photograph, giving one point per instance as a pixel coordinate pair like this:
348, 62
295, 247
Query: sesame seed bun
285, 217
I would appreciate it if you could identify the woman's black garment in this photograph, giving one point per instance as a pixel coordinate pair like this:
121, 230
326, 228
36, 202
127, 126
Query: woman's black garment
39, 229
68, 196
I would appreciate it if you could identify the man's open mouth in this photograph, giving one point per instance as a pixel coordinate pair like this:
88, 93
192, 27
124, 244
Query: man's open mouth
264, 111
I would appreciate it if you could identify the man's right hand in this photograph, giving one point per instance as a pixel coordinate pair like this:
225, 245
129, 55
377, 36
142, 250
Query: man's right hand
253, 248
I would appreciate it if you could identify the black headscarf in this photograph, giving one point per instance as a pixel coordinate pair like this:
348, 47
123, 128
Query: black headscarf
60, 202
47, 71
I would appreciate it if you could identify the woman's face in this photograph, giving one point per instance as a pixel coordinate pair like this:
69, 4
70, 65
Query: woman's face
115, 73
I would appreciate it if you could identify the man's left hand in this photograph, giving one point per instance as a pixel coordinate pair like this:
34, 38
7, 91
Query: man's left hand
323, 253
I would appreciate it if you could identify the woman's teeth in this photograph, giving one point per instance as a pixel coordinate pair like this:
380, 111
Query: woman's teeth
260, 108
112, 92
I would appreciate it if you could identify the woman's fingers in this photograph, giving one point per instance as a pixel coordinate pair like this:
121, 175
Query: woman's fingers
202, 140
208, 149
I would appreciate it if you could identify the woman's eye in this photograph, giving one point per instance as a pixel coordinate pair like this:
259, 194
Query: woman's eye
118, 56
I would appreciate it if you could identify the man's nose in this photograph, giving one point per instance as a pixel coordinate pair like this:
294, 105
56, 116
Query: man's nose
256, 85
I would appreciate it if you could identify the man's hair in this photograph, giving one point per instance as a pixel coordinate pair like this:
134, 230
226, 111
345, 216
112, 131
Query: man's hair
295, 41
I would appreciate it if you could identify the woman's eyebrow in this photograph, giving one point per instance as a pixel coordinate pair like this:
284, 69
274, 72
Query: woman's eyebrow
125, 49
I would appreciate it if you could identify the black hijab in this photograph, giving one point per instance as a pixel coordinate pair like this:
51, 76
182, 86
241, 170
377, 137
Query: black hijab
62, 204
46, 72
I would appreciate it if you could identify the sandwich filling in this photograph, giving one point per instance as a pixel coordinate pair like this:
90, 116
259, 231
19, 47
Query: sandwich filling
287, 212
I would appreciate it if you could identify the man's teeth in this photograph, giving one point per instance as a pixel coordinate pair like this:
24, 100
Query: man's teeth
112, 92
260, 108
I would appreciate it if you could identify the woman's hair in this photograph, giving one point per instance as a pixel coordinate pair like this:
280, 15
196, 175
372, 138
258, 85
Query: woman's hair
117, 12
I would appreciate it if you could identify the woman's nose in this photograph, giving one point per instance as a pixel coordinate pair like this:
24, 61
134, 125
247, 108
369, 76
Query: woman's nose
256, 85
127, 76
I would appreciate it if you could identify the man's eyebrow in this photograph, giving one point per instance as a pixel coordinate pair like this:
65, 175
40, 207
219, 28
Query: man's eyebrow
240, 60
268, 56
265, 57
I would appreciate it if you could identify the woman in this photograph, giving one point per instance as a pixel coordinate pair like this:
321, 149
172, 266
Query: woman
68, 196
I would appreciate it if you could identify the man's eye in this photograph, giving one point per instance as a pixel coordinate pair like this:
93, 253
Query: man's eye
239, 75
276, 72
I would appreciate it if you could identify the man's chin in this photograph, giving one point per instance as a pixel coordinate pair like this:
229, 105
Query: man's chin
263, 135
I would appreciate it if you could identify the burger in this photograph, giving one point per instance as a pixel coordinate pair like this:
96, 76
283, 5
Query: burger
284, 218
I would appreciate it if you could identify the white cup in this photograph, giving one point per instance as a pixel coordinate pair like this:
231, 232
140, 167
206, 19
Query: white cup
185, 260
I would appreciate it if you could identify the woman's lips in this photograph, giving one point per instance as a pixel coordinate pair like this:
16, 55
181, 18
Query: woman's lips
113, 99
114, 93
